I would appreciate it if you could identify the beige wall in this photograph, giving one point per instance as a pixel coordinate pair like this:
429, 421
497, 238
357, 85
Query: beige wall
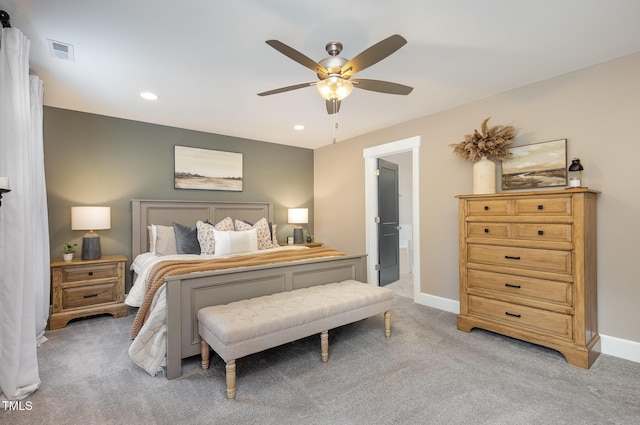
596, 109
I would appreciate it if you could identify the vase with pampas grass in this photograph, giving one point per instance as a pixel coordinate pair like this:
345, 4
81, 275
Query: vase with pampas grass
482, 147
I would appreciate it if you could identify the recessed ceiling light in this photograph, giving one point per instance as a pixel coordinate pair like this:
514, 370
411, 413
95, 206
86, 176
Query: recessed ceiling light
148, 95
298, 127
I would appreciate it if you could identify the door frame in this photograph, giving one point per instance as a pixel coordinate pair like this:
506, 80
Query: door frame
411, 144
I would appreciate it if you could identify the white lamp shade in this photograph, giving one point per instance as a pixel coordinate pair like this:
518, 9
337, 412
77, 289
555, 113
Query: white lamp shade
90, 218
298, 215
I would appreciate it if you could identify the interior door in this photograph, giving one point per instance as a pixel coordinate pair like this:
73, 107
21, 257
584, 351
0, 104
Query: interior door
388, 223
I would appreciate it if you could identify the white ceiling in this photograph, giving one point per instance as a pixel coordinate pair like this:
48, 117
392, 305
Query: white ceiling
207, 60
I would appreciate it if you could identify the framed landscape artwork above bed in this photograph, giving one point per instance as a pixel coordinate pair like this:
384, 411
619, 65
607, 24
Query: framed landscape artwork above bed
196, 168
537, 165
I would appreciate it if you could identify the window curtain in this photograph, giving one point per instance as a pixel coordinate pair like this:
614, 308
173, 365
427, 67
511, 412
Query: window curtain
24, 229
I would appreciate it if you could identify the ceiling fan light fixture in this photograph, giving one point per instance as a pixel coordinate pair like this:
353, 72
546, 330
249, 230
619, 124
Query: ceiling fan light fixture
334, 87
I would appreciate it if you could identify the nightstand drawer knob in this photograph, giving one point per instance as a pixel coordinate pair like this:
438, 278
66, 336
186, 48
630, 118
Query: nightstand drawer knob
486, 207
541, 232
486, 230
90, 296
540, 207
90, 273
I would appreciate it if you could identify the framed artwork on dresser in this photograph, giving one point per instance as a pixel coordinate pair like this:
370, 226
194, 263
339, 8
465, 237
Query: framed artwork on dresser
536, 165
207, 169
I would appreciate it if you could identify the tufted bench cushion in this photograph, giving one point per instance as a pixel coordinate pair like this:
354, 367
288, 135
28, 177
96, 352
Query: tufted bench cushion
245, 327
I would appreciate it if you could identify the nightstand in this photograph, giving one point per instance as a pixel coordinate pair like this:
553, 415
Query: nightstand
87, 287
307, 244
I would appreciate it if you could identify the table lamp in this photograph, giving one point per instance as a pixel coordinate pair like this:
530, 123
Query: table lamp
298, 216
90, 218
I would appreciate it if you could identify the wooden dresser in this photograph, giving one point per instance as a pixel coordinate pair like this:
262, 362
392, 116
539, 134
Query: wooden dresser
87, 287
528, 269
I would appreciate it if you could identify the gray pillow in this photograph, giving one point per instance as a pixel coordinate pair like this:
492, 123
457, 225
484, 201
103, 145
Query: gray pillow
186, 239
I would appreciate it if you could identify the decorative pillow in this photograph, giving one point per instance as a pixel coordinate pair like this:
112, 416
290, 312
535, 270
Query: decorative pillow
230, 242
274, 239
165, 240
205, 234
262, 227
152, 239
186, 239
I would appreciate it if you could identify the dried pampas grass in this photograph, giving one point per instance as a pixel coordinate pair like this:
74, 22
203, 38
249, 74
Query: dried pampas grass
490, 142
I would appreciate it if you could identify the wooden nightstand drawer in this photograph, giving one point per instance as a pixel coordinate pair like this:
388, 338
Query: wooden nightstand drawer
549, 322
83, 288
89, 272
547, 260
88, 295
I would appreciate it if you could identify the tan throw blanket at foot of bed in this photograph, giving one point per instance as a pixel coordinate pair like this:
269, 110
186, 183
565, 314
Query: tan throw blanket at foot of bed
178, 267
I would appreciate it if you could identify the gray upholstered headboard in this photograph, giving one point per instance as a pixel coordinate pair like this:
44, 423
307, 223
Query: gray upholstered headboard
147, 212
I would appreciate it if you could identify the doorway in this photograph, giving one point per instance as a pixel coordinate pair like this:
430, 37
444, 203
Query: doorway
371, 155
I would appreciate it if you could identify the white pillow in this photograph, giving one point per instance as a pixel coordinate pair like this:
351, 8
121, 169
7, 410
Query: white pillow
229, 242
205, 234
165, 240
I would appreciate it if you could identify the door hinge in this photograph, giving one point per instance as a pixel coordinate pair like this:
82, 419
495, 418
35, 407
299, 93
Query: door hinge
376, 220
378, 267
377, 171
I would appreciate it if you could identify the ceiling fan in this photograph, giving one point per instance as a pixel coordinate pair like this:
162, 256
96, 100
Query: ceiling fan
334, 73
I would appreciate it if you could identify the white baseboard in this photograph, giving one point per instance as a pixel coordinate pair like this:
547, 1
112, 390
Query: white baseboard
612, 346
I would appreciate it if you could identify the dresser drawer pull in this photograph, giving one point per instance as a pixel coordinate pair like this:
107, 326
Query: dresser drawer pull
540, 232
540, 207
486, 207
90, 273
511, 314
90, 296
511, 285
511, 257
486, 230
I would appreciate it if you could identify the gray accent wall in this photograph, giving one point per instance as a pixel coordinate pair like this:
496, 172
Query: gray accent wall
97, 160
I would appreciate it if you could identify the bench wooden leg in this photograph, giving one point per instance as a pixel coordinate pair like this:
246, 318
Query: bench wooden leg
204, 353
387, 324
324, 346
231, 379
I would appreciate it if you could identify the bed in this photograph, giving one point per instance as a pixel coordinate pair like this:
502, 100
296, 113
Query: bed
187, 293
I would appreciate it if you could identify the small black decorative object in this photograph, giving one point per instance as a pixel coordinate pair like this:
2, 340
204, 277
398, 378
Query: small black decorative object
2, 192
575, 173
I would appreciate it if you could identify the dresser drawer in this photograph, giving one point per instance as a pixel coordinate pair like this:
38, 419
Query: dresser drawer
83, 296
543, 232
557, 324
537, 289
489, 230
89, 272
543, 206
488, 207
547, 260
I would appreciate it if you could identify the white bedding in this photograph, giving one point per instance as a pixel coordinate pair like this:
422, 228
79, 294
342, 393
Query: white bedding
149, 348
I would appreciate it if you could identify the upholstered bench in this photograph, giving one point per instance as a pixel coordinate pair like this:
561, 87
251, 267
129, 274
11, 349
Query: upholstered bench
249, 326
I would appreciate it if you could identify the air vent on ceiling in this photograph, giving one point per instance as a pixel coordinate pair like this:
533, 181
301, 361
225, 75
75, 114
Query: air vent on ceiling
61, 50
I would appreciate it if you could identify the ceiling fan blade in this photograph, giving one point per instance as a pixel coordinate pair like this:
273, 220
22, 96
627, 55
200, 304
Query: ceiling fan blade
381, 86
298, 57
286, 89
373, 54
333, 106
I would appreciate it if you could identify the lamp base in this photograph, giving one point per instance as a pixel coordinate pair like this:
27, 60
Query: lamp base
91, 246
298, 235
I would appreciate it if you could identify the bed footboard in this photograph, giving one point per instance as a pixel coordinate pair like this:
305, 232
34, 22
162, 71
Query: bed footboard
187, 294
